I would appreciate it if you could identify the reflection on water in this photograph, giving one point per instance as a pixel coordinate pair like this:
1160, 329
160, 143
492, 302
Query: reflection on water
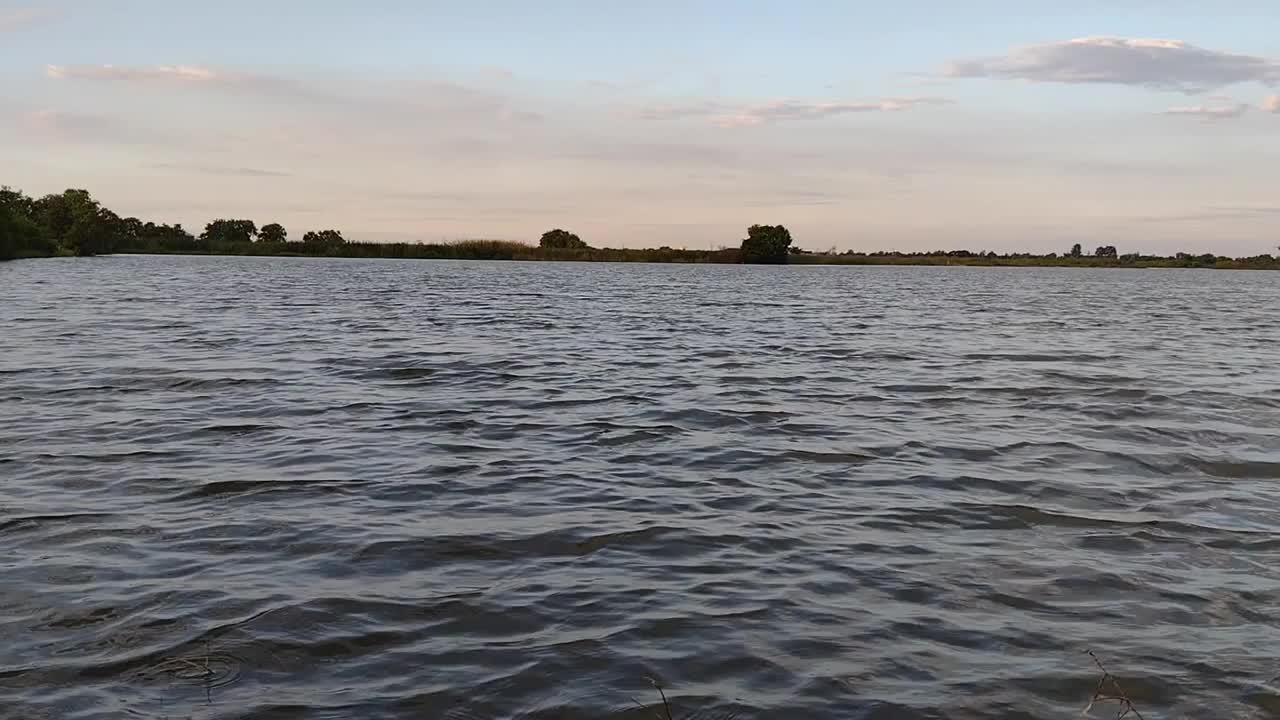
327, 489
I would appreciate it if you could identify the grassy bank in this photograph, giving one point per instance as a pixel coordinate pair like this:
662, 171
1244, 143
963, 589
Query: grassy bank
506, 250
74, 223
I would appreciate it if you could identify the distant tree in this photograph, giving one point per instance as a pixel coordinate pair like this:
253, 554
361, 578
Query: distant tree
1077, 251
229, 231
78, 223
324, 241
1106, 251
16, 202
561, 240
19, 233
273, 233
766, 244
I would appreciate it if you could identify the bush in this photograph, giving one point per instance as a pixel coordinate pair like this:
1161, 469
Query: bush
561, 240
766, 244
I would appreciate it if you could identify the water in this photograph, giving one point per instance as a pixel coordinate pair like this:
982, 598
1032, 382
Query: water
300, 488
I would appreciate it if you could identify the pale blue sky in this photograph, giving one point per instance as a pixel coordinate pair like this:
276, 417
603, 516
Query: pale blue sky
914, 124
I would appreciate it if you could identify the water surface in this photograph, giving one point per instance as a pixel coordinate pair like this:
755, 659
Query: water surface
306, 488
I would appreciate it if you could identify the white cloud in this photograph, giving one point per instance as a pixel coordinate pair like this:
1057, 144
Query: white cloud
358, 95
1209, 112
1153, 63
72, 127
180, 73
191, 76
18, 18
1272, 104
728, 116
245, 172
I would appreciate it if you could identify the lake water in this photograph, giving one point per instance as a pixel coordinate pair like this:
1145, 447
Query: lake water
307, 488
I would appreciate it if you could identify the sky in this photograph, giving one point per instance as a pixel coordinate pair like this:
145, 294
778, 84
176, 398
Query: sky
1006, 125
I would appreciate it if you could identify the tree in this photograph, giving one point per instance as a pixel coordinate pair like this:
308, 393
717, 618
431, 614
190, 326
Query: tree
1077, 251
78, 223
273, 233
19, 234
561, 240
324, 241
766, 244
229, 231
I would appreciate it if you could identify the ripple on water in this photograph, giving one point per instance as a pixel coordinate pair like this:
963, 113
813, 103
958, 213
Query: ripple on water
304, 488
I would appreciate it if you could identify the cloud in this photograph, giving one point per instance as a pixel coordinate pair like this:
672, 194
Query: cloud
222, 171
1210, 112
1215, 213
179, 73
729, 116
1272, 104
66, 127
1159, 64
191, 76
18, 18
410, 101
78, 127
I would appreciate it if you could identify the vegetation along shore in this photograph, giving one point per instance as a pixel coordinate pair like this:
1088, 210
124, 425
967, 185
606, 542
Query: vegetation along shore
73, 223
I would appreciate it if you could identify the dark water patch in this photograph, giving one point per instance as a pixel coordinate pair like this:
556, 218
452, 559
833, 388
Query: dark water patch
236, 429
224, 489
436, 550
48, 522
1063, 357
1239, 470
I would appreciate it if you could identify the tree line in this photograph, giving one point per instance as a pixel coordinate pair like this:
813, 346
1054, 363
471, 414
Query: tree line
74, 223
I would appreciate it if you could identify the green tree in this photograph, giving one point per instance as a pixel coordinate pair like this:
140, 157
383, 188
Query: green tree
323, 242
766, 244
561, 240
1077, 251
78, 223
239, 232
19, 234
273, 233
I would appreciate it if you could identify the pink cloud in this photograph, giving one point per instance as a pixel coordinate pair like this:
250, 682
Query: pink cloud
1209, 112
181, 73
1147, 62
730, 116
18, 18
1272, 104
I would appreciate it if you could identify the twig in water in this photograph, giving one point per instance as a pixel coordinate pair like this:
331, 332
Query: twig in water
666, 706
1119, 696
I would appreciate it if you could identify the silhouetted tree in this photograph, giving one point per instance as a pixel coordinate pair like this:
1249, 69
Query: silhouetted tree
273, 233
229, 231
324, 241
561, 240
76, 222
1106, 251
1077, 251
766, 244
19, 233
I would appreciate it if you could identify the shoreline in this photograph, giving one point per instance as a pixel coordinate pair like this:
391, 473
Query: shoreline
632, 256
625, 257
518, 252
